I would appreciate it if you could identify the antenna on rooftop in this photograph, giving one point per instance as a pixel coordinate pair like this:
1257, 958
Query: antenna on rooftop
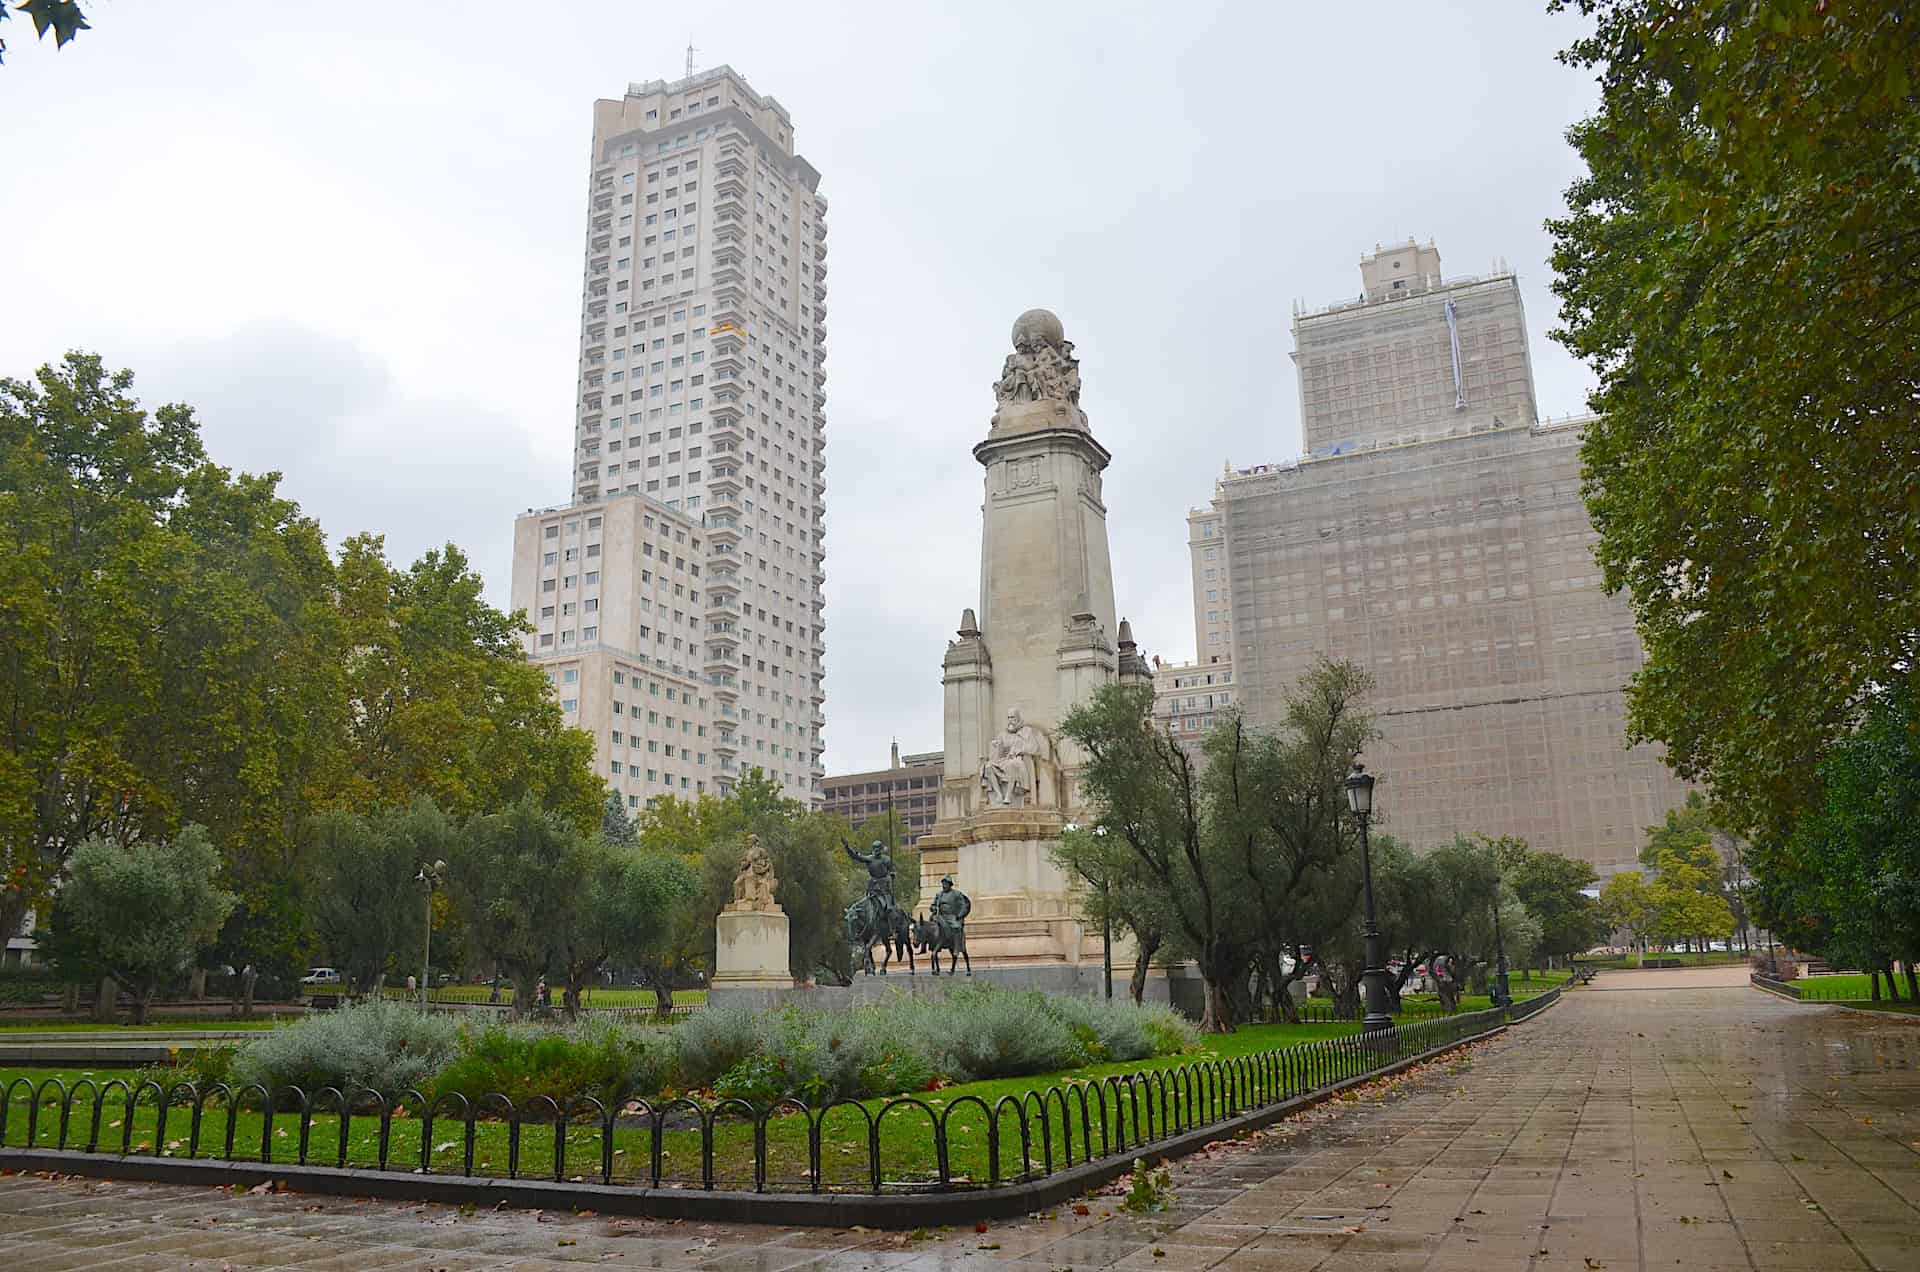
690, 52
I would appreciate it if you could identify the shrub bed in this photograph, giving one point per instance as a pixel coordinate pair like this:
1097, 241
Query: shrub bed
898, 1045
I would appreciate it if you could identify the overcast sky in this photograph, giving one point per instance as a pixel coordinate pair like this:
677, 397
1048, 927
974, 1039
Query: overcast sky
352, 237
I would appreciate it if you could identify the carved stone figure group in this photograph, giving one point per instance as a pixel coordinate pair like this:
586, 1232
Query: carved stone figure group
1037, 371
754, 884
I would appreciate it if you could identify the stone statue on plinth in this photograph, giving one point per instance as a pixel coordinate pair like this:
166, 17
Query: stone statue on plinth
754, 885
1008, 773
752, 947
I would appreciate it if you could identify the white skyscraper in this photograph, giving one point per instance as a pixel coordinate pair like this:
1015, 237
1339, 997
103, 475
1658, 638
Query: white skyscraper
677, 600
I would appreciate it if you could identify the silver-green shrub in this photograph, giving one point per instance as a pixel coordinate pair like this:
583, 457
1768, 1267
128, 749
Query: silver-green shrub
387, 1046
1004, 1034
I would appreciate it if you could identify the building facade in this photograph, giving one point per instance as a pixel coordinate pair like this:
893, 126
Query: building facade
1447, 551
1187, 697
909, 786
700, 407
613, 590
1413, 355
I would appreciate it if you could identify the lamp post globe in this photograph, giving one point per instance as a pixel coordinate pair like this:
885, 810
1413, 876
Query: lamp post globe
1373, 979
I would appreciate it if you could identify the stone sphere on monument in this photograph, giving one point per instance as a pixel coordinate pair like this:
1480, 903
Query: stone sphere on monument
1041, 325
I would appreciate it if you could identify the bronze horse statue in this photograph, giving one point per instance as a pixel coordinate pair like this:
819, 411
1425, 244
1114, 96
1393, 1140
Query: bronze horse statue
893, 934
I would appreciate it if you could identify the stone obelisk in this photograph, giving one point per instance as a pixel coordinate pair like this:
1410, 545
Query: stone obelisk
1042, 640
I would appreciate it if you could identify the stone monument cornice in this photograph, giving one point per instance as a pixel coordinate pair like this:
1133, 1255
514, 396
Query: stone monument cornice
988, 449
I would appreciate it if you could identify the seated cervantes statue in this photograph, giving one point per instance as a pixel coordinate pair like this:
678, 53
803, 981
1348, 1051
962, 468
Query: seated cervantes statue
1009, 773
753, 886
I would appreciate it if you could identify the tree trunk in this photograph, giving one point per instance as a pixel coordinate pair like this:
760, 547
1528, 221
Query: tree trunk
1893, 986
197, 984
70, 999
247, 978
1216, 1013
105, 1009
1873, 979
1913, 983
142, 1000
1143, 959
523, 1001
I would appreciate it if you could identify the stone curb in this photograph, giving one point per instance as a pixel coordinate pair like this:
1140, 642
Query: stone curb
826, 1210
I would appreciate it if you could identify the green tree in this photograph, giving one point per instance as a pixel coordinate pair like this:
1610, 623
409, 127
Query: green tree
1279, 805
444, 701
139, 912
628, 906
1625, 904
1845, 883
166, 646
1553, 890
1738, 267
1112, 895
519, 879
1217, 851
366, 906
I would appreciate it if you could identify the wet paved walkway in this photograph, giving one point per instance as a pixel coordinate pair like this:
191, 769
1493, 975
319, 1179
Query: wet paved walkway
1647, 1122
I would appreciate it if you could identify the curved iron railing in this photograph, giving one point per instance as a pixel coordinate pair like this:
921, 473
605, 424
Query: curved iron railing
908, 1143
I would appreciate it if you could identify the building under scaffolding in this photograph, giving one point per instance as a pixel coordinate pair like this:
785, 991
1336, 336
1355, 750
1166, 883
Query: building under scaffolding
1449, 553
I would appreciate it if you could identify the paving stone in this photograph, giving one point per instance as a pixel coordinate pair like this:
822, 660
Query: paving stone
1695, 1126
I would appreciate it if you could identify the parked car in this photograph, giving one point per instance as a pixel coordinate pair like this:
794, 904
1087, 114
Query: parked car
321, 976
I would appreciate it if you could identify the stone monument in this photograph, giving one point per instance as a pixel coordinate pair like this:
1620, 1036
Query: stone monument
1043, 639
752, 951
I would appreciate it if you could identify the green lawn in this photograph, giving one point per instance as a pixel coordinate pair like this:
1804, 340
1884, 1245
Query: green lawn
1710, 958
905, 1138
1854, 988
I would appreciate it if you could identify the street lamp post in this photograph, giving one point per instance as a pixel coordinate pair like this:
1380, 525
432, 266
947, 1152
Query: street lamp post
1502, 995
1106, 917
1373, 978
430, 877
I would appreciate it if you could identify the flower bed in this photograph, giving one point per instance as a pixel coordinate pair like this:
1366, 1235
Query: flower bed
902, 1044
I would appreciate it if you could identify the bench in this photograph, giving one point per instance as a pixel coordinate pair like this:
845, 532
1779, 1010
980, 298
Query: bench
1583, 975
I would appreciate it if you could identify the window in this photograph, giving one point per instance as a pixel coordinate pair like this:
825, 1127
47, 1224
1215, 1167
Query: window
570, 704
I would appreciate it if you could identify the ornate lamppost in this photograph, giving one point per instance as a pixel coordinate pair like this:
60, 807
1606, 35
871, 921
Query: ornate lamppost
430, 877
1373, 979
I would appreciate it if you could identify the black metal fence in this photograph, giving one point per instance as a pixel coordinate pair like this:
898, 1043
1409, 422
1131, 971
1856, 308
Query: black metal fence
906, 1144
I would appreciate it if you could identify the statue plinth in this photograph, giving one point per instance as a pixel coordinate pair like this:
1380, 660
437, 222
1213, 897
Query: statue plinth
751, 949
751, 945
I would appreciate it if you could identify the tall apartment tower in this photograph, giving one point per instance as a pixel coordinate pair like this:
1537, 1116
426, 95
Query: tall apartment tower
1435, 535
691, 560
1414, 354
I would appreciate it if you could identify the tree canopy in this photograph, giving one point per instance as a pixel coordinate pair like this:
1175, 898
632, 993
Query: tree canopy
177, 645
1845, 883
1739, 267
139, 912
1219, 856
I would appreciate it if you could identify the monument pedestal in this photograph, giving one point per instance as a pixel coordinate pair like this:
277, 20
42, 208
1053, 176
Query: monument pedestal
1027, 929
751, 960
